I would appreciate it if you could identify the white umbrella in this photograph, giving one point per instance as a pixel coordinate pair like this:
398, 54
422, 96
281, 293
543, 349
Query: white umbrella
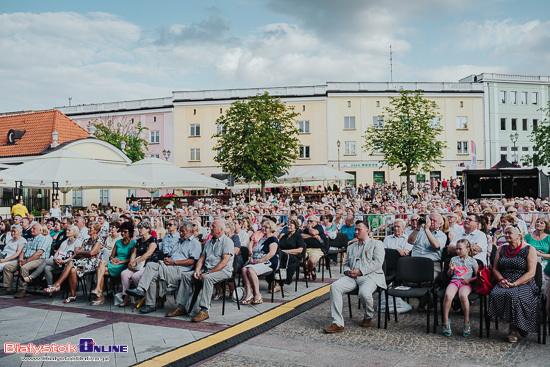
319, 173
158, 174
70, 170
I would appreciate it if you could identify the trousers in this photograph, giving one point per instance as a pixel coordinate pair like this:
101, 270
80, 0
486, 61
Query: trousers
345, 285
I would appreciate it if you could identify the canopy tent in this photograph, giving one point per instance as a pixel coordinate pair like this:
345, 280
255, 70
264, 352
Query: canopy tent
315, 174
157, 174
69, 170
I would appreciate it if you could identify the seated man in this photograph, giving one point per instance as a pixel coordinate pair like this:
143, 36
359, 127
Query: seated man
33, 254
477, 238
397, 240
214, 265
314, 237
181, 258
363, 271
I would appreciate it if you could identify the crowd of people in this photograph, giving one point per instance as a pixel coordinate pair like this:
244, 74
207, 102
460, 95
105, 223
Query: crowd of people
175, 248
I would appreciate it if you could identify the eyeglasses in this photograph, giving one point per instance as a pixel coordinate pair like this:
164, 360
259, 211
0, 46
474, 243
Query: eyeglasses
512, 212
125, 231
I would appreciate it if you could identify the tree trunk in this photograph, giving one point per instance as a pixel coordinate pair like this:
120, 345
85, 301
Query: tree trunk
408, 183
263, 188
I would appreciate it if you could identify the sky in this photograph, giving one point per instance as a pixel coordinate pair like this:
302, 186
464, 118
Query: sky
103, 51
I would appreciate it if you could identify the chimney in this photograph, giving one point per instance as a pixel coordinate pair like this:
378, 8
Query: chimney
55, 136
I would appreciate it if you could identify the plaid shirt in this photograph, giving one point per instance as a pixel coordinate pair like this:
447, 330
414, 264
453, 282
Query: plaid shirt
37, 243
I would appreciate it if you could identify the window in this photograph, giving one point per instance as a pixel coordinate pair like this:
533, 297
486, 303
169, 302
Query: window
154, 118
435, 123
378, 122
303, 107
79, 198
535, 123
503, 124
524, 149
349, 103
524, 124
132, 193
377, 150
195, 130
461, 122
502, 95
132, 120
349, 148
155, 156
514, 97
462, 147
514, 124
155, 137
304, 152
349, 123
194, 111
303, 126
461, 104
377, 103
104, 196
535, 98
221, 110
220, 129
523, 98
504, 149
194, 154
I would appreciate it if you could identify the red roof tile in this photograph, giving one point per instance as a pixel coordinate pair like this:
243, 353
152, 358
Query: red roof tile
38, 136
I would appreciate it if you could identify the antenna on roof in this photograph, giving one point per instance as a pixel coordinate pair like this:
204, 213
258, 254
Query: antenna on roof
70, 98
391, 66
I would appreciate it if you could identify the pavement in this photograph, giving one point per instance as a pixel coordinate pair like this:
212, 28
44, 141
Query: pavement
286, 332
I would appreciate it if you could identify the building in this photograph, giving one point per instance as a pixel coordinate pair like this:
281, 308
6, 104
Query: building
512, 109
23, 137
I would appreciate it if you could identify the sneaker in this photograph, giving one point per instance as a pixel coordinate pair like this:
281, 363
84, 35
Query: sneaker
334, 328
177, 312
147, 309
200, 316
137, 292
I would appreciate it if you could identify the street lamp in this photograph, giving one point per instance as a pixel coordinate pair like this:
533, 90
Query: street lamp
338, 145
514, 139
166, 154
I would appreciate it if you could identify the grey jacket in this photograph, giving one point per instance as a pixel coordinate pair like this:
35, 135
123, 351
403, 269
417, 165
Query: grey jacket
369, 260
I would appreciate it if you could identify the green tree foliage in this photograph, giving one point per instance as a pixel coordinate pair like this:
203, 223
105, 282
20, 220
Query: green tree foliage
115, 132
257, 139
408, 138
540, 138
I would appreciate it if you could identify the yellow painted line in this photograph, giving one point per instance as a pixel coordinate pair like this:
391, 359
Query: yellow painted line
231, 331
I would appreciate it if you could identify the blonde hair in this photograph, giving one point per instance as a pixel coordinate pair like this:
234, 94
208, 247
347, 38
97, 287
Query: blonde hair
468, 246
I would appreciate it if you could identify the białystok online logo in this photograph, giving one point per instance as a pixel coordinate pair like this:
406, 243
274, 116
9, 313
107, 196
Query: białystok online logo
84, 346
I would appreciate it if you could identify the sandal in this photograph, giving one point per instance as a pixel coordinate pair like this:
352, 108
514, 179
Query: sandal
512, 337
246, 301
466, 329
447, 328
257, 301
97, 302
51, 289
313, 275
70, 299
217, 296
96, 293
27, 279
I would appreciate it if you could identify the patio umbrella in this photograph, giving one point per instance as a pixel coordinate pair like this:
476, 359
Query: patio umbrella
70, 170
158, 174
319, 173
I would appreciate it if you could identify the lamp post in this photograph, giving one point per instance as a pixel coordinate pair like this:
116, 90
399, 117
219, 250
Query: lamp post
166, 154
338, 145
514, 139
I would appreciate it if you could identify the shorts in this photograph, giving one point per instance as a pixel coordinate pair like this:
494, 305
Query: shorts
458, 283
317, 252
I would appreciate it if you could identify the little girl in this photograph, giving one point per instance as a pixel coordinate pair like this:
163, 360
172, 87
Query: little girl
463, 270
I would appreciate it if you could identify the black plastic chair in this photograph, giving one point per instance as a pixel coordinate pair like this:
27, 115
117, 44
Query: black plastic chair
417, 275
341, 245
324, 261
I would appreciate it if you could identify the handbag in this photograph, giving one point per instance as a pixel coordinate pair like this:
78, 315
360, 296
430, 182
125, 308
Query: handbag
485, 281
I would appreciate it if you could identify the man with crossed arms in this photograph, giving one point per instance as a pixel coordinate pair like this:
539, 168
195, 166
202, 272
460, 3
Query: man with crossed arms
363, 270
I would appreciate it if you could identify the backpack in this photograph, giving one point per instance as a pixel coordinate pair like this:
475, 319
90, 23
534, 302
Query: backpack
484, 281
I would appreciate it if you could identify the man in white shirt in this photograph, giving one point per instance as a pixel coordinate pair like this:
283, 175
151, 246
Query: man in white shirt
477, 239
398, 240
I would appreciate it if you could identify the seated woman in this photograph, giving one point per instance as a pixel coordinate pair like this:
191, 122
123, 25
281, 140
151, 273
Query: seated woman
293, 249
505, 221
314, 237
539, 238
12, 249
85, 260
158, 225
264, 260
118, 261
145, 250
515, 296
5, 233
61, 257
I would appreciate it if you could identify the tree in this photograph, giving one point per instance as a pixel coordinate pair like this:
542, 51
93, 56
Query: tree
107, 129
540, 137
257, 139
407, 136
